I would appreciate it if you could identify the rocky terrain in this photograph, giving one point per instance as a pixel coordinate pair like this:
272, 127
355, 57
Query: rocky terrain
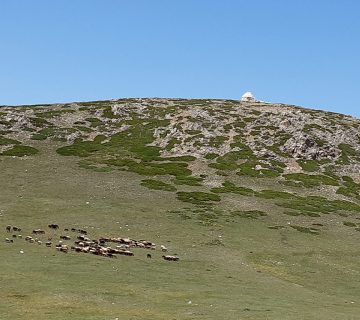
258, 139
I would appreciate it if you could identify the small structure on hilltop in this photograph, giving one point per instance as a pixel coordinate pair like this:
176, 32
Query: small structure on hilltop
248, 97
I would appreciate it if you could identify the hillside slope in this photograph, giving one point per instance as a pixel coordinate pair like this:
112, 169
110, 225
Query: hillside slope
260, 201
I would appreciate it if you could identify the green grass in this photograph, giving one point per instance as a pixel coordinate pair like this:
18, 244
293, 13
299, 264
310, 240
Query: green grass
211, 156
7, 141
20, 151
39, 122
157, 185
229, 187
198, 198
310, 181
272, 194
315, 205
80, 149
347, 152
309, 165
188, 180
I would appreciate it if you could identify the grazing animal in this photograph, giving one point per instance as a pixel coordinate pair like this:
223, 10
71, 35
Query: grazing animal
14, 236
171, 258
53, 226
39, 242
63, 248
8, 228
66, 229
163, 248
16, 229
9, 240
148, 256
38, 231
48, 243
65, 238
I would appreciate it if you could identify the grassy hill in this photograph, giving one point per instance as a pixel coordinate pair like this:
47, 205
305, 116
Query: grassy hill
260, 202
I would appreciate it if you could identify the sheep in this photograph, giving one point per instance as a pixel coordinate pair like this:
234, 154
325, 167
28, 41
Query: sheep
171, 258
8, 228
7, 240
39, 242
38, 231
163, 248
65, 238
63, 248
148, 256
48, 243
53, 226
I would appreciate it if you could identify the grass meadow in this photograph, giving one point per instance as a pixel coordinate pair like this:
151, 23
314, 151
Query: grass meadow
232, 266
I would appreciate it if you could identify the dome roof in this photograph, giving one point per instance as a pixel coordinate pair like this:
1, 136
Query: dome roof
247, 94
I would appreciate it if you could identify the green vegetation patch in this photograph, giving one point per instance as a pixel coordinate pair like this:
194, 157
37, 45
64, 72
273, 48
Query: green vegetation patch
350, 188
20, 151
313, 205
172, 144
188, 180
306, 230
94, 122
229, 187
80, 148
157, 185
198, 197
347, 152
310, 181
272, 194
211, 156
250, 214
217, 141
39, 122
44, 133
309, 165
248, 169
7, 141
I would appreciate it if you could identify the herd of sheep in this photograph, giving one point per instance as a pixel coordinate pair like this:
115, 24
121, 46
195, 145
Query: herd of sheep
83, 244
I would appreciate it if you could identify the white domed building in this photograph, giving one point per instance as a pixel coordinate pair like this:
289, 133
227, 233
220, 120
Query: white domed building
248, 97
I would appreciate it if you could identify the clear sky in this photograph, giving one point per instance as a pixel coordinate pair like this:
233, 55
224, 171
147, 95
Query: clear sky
299, 52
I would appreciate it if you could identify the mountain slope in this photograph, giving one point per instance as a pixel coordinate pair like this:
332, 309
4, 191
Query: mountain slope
252, 196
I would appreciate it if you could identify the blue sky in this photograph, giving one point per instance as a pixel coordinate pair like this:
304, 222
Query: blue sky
298, 52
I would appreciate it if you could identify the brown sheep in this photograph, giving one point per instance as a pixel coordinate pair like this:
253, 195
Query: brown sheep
171, 258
